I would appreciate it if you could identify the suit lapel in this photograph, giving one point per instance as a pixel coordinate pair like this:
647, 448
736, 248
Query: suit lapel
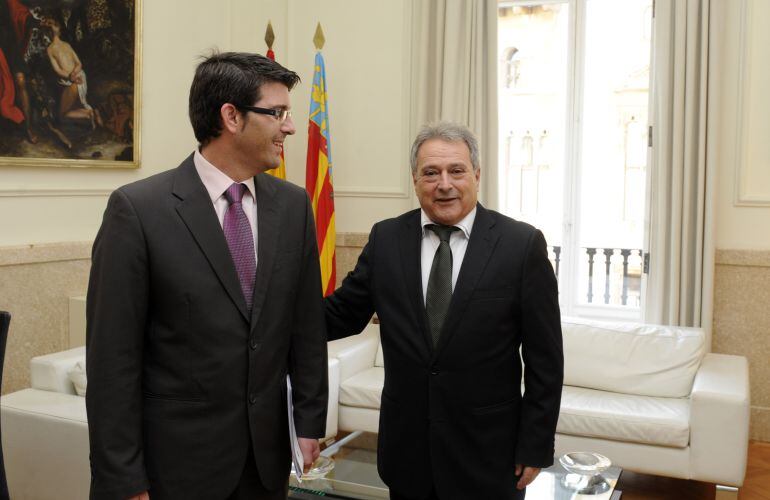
198, 214
410, 240
268, 221
480, 247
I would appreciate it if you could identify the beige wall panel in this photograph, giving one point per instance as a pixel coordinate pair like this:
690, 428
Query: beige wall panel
742, 324
35, 283
367, 69
50, 215
753, 179
738, 227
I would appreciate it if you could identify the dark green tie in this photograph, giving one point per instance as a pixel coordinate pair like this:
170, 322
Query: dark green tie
439, 293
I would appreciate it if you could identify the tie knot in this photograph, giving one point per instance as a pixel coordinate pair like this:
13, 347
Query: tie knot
234, 193
443, 232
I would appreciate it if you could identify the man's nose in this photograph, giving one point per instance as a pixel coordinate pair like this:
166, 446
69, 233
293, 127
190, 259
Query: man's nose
287, 127
444, 180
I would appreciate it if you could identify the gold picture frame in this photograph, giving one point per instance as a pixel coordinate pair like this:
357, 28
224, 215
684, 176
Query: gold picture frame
75, 69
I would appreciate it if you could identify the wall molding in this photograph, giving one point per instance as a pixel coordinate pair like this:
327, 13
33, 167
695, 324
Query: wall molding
745, 258
45, 252
396, 188
370, 192
54, 192
741, 197
357, 240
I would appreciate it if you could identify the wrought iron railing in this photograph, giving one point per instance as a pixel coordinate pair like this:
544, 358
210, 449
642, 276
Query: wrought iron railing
622, 272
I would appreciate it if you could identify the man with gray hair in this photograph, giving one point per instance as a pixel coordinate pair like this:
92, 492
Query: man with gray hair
458, 290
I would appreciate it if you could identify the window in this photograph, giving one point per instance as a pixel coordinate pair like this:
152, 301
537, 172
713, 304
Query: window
573, 94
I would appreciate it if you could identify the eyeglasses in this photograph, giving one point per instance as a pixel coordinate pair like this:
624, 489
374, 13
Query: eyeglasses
280, 114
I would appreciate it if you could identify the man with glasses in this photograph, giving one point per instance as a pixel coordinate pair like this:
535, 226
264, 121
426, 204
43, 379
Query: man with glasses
204, 293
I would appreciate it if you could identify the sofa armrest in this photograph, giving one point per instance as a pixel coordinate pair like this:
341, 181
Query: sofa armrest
332, 413
356, 353
45, 443
719, 419
49, 372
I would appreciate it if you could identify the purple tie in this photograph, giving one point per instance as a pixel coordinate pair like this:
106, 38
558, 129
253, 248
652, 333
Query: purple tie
241, 241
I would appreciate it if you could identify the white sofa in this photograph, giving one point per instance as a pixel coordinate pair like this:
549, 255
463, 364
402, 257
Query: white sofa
648, 397
45, 430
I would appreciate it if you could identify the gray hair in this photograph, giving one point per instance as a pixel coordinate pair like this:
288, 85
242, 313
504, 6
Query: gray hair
446, 131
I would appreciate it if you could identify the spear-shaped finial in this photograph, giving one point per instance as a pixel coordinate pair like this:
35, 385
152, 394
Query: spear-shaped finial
269, 35
318, 38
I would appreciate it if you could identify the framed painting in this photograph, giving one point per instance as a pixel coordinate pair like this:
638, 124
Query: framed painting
70, 83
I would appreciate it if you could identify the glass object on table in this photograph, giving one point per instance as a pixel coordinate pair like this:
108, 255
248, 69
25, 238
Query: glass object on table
584, 472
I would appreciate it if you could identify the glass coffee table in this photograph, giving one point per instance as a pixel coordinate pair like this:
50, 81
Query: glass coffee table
355, 477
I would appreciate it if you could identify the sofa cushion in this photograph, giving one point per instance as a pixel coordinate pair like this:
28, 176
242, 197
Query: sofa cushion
631, 358
625, 417
363, 390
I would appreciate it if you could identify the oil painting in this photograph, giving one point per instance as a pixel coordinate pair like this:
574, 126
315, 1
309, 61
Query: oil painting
69, 82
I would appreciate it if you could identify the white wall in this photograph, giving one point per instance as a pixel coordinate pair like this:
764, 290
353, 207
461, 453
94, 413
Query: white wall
367, 57
366, 53
739, 123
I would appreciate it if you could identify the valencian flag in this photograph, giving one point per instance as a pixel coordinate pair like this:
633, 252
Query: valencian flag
318, 179
279, 172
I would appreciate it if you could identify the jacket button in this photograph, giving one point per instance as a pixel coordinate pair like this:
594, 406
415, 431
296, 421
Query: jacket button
252, 398
253, 344
434, 373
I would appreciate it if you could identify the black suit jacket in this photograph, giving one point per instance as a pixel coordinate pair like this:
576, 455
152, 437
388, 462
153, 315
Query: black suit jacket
181, 380
454, 415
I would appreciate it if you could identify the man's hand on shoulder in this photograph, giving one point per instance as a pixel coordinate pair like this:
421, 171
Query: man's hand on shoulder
310, 451
528, 474
145, 495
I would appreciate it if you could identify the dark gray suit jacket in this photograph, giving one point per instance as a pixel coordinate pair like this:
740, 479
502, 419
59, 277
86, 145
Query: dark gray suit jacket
182, 382
453, 416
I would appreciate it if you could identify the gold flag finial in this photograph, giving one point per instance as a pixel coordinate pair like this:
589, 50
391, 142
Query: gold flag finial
269, 35
318, 38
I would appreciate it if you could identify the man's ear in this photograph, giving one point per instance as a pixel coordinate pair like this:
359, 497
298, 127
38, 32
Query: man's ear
231, 118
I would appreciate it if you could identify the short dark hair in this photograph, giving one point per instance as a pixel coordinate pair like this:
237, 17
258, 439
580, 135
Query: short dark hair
234, 77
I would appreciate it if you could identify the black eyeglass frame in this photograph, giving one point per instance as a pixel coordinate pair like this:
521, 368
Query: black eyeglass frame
280, 114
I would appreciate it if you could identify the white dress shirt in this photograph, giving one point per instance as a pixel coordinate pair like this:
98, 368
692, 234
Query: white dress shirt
216, 183
458, 243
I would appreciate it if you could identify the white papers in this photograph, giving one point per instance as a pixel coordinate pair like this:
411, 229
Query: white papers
296, 451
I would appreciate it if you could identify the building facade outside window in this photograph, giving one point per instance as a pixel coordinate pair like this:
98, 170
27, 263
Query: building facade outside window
573, 90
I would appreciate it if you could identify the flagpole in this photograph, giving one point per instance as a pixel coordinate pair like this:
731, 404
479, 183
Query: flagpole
280, 171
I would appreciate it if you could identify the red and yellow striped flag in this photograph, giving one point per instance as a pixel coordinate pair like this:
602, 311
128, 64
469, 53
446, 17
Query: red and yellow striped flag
318, 179
279, 172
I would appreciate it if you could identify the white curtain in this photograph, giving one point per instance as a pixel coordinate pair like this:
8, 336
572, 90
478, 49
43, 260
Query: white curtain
679, 287
454, 68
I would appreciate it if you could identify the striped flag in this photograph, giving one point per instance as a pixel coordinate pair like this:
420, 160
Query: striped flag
318, 179
279, 172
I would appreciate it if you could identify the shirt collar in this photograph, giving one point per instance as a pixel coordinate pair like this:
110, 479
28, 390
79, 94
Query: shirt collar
216, 181
465, 225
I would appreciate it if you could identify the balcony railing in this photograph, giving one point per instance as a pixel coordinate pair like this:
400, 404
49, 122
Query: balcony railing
617, 270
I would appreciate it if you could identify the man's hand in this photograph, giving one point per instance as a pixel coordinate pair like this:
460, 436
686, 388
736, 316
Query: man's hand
527, 476
141, 496
310, 451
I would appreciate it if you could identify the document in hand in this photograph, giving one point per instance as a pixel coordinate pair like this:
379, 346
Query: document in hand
296, 451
